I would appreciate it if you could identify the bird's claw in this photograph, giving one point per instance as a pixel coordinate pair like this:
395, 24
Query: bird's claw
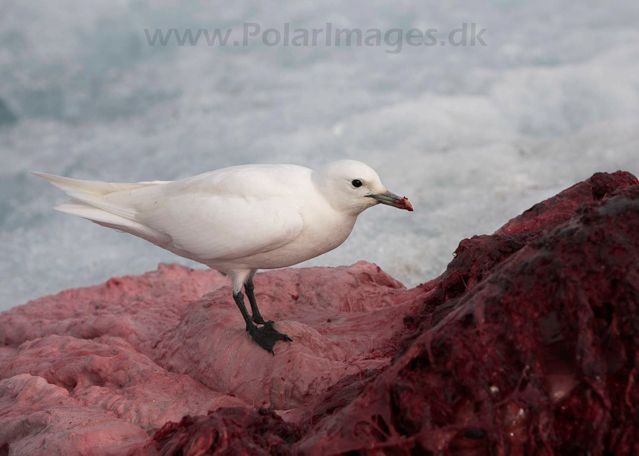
267, 336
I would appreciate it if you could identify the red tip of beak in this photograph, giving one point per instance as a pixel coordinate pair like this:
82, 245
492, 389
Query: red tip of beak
405, 204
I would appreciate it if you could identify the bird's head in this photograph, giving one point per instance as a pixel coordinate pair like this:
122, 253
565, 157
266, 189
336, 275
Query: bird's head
351, 186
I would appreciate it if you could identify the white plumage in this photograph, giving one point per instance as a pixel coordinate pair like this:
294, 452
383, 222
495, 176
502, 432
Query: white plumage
240, 219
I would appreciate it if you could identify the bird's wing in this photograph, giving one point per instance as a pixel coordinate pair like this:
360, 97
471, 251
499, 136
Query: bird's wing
212, 227
226, 214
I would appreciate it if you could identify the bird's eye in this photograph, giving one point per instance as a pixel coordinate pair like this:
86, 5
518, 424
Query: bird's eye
357, 183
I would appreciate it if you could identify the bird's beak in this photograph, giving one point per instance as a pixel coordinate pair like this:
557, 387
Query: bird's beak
392, 200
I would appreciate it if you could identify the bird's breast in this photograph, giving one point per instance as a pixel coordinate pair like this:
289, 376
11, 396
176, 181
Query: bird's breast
320, 235
325, 236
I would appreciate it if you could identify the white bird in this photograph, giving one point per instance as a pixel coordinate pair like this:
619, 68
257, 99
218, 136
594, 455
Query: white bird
239, 219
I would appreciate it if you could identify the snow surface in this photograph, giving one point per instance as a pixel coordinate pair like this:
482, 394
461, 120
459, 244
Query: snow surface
472, 135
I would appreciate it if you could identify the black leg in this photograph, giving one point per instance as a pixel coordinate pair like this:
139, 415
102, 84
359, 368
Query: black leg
239, 300
257, 316
265, 336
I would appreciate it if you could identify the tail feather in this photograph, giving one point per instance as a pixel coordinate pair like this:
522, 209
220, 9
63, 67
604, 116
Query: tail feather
110, 220
89, 202
97, 188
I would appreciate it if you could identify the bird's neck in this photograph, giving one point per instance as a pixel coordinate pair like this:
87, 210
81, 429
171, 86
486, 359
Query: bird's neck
325, 187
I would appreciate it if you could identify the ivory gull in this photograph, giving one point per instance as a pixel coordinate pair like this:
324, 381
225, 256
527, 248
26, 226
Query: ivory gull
239, 219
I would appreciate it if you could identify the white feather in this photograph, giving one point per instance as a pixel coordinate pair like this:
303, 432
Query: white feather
237, 219
104, 218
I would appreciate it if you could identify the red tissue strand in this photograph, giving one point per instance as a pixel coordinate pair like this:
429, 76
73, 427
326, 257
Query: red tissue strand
228, 431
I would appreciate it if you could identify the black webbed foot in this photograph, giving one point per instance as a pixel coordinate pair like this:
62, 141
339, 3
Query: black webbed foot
267, 336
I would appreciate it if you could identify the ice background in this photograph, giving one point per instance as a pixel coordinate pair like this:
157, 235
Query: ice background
472, 135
